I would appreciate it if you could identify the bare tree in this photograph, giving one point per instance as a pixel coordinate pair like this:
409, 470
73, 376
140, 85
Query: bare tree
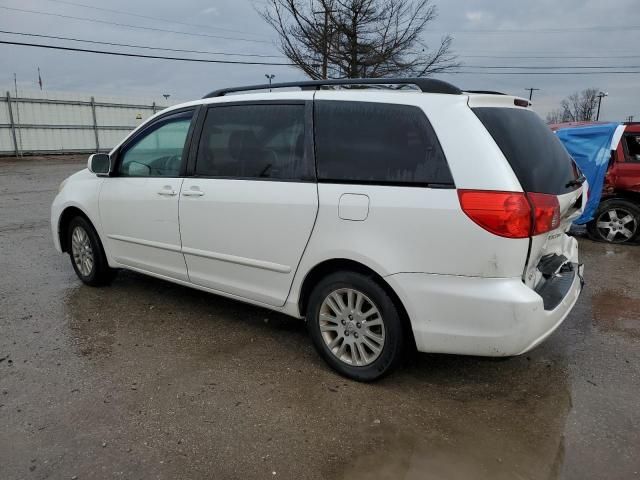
358, 38
558, 115
580, 106
554, 116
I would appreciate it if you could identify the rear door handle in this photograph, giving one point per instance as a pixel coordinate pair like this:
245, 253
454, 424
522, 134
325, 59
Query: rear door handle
193, 193
168, 192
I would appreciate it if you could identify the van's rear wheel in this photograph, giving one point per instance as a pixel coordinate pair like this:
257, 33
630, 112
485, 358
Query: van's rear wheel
355, 326
87, 255
616, 221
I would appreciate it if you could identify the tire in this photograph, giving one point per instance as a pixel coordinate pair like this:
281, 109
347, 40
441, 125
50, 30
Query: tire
615, 221
369, 352
86, 253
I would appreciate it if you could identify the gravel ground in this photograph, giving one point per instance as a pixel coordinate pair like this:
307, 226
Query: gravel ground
148, 380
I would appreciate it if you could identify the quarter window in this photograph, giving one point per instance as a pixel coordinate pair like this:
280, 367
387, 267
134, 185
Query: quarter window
254, 141
158, 153
363, 142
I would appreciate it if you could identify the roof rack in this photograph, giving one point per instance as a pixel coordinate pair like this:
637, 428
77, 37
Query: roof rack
486, 92
427, 85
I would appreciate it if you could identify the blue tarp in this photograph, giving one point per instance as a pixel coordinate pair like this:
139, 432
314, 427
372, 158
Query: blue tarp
590, 147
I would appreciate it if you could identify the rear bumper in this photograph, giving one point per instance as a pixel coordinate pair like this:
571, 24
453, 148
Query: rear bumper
479, 316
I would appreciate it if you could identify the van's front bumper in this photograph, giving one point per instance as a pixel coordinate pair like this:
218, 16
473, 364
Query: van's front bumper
56, 211
479, 316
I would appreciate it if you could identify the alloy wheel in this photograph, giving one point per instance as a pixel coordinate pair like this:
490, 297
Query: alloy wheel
82, 251
352, 327
617, 225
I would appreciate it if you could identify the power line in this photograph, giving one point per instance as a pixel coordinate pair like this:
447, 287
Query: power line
138, 55
238, 62
208, 52
599, 72
550, 67
591, 28
280, 56
71, 39
550, 56
148, 17
95, 20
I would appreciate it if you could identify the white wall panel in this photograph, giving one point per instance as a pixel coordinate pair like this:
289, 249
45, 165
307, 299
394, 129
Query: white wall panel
110, 138
56, 109
40, 139
6, 143
4, 111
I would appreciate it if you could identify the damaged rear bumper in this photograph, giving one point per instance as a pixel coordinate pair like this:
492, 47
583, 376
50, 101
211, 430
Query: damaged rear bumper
483, 316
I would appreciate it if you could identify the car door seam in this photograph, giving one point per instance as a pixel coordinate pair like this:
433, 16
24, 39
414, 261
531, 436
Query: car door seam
315, 219
180, 229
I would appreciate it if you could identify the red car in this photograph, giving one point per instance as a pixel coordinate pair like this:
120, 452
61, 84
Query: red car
617, 219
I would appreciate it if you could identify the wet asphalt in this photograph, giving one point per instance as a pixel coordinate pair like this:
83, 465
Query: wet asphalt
148, 380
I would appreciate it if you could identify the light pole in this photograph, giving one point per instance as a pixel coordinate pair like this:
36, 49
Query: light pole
269, 77
601, 95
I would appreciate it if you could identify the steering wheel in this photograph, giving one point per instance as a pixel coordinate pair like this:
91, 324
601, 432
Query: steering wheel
166, 165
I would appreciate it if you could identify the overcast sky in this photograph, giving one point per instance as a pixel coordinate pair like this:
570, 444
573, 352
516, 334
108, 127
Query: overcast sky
566, 28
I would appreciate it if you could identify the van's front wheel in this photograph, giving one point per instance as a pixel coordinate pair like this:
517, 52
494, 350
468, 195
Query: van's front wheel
87, 255
355, 326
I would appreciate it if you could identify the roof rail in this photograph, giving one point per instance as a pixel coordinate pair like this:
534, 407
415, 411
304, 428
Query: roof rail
427, 85
486, 92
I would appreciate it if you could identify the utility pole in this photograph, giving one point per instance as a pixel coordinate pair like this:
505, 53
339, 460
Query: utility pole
531, 90
325, 40
601, 95
15, 86
270, 78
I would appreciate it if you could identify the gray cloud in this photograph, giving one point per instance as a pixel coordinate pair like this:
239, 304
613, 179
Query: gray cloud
126, 76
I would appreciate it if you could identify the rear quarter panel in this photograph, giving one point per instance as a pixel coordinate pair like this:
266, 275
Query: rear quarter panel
408, 230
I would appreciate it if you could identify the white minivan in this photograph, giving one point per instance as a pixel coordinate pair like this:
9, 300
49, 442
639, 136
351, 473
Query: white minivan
389, 214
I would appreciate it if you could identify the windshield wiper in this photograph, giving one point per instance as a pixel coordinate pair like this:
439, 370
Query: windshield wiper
577, 182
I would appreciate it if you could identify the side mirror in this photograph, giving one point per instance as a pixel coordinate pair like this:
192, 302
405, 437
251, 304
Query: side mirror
99, 163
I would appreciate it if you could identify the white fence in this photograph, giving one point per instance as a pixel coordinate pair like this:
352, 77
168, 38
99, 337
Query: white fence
46, 123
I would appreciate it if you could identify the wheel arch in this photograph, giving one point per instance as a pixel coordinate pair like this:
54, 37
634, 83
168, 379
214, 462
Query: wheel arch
327, 267
66, 216
626, 195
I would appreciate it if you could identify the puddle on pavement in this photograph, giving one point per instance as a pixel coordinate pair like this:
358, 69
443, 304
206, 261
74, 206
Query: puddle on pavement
615, 312
465, 418
140, 311
475, 455
440, 417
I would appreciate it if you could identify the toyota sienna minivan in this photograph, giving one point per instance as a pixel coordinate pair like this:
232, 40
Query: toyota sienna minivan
404, 213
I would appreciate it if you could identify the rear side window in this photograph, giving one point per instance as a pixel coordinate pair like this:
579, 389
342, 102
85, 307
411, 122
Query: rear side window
254, 142
363, 142
535, 154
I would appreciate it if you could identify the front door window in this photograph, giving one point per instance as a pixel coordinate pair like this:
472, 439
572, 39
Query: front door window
158, 153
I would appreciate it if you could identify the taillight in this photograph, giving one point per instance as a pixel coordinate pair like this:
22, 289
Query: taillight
507, 214
546, 212
511, 214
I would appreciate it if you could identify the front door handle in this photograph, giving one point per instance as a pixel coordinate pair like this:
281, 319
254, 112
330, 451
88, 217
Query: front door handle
193, 193
168, 192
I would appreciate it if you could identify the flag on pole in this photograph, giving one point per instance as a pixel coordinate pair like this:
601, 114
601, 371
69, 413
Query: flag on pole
39, 79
